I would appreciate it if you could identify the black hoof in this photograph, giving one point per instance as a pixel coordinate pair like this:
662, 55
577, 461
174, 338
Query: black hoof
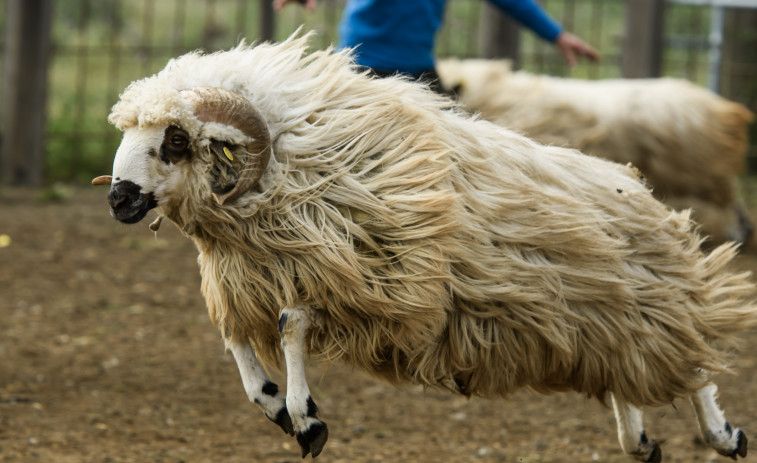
656, 455
284, 421
648, 451
740, 450
741, 446
313, 440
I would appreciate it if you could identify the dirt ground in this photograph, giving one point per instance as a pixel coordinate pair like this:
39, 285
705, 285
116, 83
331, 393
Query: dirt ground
107, 355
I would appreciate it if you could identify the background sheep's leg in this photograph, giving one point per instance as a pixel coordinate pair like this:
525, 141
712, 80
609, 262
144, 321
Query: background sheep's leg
259, 388
311, 432
715, 429
631, 434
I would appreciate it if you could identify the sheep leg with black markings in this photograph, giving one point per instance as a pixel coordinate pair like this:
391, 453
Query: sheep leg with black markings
715, 429
311, 432
633, 439
261, 390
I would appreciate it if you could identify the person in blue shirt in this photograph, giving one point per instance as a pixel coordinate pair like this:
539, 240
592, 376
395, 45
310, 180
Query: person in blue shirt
398, 36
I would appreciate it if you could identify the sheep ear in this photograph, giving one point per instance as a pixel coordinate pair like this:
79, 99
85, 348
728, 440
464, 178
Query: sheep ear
213, 104
224, 174
222, 152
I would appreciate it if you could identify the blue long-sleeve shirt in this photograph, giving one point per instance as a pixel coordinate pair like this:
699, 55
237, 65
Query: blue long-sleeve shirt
398, 35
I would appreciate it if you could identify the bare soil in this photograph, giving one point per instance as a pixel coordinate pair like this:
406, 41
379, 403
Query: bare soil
107, 355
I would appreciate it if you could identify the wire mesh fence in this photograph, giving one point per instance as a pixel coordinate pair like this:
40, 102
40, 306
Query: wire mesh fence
100, 46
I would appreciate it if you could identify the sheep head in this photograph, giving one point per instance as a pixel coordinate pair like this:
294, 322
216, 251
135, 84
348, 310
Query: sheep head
153, 163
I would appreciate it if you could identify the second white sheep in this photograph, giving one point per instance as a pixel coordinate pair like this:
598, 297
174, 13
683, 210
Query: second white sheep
689, 142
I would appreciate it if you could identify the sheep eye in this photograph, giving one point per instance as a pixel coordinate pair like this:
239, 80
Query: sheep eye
179, 141
175, 146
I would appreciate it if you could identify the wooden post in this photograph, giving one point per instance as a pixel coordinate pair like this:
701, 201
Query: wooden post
267, 21
500, 35
738, 81
643, 38
740, 53
27, 51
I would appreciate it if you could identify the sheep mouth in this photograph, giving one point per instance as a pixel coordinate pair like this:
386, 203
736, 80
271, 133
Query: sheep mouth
128, 204
136, 211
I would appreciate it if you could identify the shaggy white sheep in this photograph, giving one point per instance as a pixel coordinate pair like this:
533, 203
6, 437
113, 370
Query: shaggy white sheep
689, 142
353, 219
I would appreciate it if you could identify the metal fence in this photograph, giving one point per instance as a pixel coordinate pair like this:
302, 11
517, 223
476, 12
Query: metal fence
99, 46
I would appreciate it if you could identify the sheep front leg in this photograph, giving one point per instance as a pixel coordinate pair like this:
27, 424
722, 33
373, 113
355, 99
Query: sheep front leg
631, 434
716, 431
260, 390
311, 432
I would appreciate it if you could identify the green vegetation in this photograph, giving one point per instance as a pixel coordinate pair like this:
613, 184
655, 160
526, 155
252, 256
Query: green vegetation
100, 46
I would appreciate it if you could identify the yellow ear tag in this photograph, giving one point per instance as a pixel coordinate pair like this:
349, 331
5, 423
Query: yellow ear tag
228, 153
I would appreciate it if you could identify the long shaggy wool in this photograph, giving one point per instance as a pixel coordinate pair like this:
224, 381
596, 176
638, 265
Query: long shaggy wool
689, 142
435, 248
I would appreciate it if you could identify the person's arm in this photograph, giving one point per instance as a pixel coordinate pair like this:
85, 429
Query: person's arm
309, 4
533, 16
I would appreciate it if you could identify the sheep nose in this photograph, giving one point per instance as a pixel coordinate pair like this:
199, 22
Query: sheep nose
116, 198
123, 194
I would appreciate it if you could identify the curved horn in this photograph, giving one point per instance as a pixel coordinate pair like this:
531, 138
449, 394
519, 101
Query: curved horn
214, 104
102, 180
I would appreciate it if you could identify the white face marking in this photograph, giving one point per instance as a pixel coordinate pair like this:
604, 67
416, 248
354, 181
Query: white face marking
132, 161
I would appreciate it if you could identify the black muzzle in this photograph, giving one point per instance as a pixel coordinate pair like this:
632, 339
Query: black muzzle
127, 203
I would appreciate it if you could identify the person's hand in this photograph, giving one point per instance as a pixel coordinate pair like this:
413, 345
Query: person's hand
309, 4
573, 47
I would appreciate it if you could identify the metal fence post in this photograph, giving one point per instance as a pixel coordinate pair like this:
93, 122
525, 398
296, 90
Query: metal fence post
27, 51
500, 35
643, 38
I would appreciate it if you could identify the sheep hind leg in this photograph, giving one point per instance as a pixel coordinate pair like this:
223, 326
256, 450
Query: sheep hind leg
311, 432
260, 390
631, 434
716, 431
